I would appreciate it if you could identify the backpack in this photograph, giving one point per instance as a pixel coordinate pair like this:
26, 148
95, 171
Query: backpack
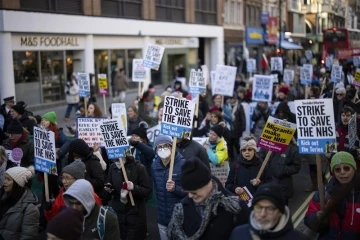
101, 220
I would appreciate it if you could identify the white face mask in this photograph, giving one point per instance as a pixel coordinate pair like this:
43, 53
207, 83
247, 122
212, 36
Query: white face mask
77, 159
163, 154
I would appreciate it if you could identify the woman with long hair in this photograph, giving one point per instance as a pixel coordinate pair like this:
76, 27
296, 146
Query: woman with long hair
94, 111
133, 119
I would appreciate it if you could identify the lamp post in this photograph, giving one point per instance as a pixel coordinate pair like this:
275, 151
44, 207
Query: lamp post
280, 25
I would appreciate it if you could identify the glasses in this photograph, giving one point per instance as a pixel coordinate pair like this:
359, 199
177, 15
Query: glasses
345, 168
258, 209
163, 147
66, 179
247, 149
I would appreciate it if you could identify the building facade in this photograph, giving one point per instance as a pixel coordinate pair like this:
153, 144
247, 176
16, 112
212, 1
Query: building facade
44, 41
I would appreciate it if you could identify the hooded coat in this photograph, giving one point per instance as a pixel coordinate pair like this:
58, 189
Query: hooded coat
259, 118
190, 148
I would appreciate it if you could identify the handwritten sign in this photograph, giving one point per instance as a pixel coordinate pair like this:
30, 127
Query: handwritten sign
196, 83
289, 75
154, 54
118, 110
251, 65
277, 64
262, 88
224, 80
87, 129
336, 73
44, 151
139, 72
84, 84
103, 84
221, 171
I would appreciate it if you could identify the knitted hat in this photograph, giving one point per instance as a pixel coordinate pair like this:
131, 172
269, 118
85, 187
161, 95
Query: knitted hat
19, 109
68, 224
15, 127
342, 158
248, 143
75, 169
162, 139
80, 147
271, 192
20, 175
51, 117
141, 132
218, 130
284, 90
194, 174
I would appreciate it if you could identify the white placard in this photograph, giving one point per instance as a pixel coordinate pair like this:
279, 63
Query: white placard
356, 61
262, 88
251, 65
154, 54
308, 55
336, 73
153, 132
306, 74
224, 80
139, 72
329, 61
275, 78
118, 111
289, 75
277, 64
206, 74
45, 151
88, 130
196, 83
83, 80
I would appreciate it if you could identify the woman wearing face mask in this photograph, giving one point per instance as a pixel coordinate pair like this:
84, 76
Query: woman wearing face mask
245, 169
19, 217
133, 119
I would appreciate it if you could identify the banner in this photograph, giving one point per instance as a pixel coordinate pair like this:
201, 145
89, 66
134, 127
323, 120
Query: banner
277, 64
196, 83
272, 30
251, 65
177, 120
139, 72
262, 88
289, 75
352, 130
154, 54
224, 80
83, 80
44, 151
336, 73
87, 129
103, 84
276, 135
115, 138
118, 110
315, 125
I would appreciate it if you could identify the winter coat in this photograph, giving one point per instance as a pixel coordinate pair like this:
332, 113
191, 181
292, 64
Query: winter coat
121, 82
283, 166
28, 124
132, 220
340, 222
218, 222
284, 230
22, 220
217, 153
152, 121
145, 154
63, 143
259, 117
235, 116
242, 171
59, 205
72, 92
132, 124
190, 148
167, 200
27, 148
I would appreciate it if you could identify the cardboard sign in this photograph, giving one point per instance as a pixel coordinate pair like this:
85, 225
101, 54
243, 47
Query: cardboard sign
315, 125
118, 110
251, 65
87, 129
154, 54
44, 151
246, 196
276, 135
103, 84
277, 64
356, 81
306, 74
308, 55
83, 80
262, 88
139, 72
177, 120
153, 132
196, 83
289, 75
352, 129
221, 171
356, 61
336, 73
115, 138
224, 80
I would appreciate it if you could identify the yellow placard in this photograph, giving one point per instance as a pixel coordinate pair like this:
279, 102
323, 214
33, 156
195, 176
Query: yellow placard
357, 77
103, 84
278, 133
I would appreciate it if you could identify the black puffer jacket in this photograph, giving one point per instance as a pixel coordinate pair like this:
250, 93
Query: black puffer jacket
191, 148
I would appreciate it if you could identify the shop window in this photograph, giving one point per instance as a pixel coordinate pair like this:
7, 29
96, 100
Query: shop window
59, 6
171, 10
121, 8
205, 12
233, 12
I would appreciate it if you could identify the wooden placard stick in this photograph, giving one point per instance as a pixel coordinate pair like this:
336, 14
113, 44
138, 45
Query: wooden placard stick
46, 185
263, 165
126, 179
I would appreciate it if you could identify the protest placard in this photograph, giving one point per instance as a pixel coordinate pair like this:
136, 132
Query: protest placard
336, 73
44, 151
83, 80
87, 129
15, 155
118, 110
139, 72
177, 120
153, 132
251, 65
352, 130
196, 83
224, 80
277, 64
289, 75
276, 135
115, 139
262, 88
275, 78
315, 125
308, 55
356, 61
329, 62
154, 54
206, 74
306, 74
356, 81
221, 171
246, 196
103, 84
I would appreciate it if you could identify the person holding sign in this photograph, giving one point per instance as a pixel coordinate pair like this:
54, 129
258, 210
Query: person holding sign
340, 219
168, 192
19, 216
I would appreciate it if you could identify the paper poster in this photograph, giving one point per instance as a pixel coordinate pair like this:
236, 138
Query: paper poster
139, 72
275, 78
103, 84
224, 80
262, 88
315, 125
115, 138
308, 55
197, 83
87, 129
154, 54
221, 171
356, 61
15, 155
118, 110
153, 132
246, 196
329, 61
276, 135
177, 120
44, 151
306, 74
277, 64
251, 65
336, 73
83, 80
356, 81
289, 75
352, 130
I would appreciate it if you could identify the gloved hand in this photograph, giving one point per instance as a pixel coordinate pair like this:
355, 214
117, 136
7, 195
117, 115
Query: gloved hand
47, 205
128, 185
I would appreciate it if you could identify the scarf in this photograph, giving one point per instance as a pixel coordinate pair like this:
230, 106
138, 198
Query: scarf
17, 143
216, 199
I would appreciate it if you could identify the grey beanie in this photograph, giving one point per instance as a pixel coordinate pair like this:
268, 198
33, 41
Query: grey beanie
76, 169
161, 139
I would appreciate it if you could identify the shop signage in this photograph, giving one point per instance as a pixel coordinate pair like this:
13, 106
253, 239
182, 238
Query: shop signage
45, 42
255, 36
177, 42
264, 18
272, 30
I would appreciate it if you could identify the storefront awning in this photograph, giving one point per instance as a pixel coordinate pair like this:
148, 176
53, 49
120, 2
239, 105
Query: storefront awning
290, 46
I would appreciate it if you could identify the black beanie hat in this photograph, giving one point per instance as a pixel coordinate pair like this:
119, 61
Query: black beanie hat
19, 109
219, 130
141, 132
271, 192
68, 224
15, 127
194, 174
80, 147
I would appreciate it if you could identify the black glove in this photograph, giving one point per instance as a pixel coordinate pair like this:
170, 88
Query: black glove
47, 205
